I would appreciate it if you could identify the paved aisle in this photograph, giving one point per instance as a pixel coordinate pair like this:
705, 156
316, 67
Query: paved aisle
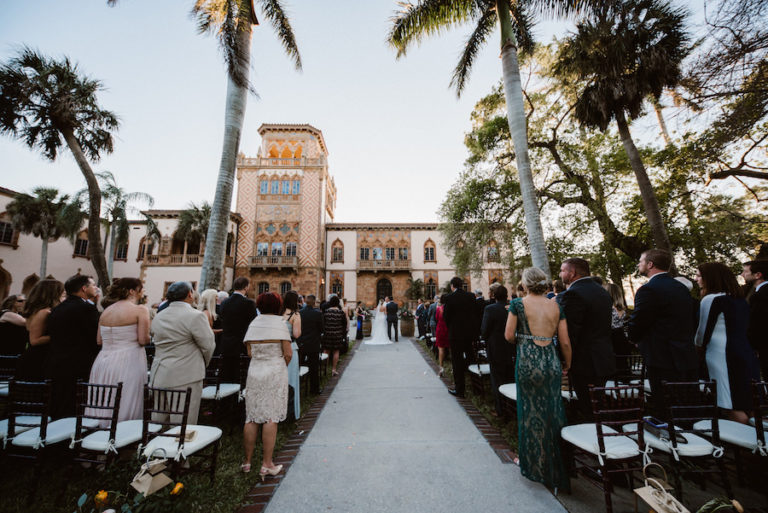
391, 439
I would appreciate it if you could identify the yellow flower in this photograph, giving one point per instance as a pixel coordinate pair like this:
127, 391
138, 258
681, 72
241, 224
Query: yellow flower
101, 498
177, 489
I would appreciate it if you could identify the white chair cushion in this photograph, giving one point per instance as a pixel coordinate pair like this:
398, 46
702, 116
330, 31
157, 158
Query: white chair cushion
647, 386
765, 422
206, 435
584, 436
323, 356
3, 389
483, 369
127, 432
509, 390
303, 370
225, 390
695, 446
732, 432
568, 395
58, 431
24, 419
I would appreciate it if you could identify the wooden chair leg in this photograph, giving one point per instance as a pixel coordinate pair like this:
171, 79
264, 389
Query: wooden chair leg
724, 478
214, 459
606, 488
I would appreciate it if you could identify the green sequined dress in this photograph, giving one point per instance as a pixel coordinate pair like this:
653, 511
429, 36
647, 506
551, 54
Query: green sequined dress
540, 410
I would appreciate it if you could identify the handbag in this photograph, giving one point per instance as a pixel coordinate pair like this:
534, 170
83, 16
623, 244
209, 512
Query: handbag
657, 493
151, 477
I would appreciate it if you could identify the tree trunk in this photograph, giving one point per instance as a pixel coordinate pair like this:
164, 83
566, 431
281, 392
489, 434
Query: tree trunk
650, 202
44, 259
211, 276
662, 123
110, 252
518, 129
95, 249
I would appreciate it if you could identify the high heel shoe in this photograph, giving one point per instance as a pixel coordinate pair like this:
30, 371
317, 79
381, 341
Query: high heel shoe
440, 372
245, 468
270, 471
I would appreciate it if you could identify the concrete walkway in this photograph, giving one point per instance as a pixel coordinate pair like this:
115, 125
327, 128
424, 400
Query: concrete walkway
391, 439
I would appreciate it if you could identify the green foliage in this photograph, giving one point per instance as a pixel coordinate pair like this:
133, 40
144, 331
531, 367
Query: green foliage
44, 215
193, 223
415, 289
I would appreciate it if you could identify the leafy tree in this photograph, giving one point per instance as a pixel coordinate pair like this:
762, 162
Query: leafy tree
415, 289
44, 215
194, 223
43, 101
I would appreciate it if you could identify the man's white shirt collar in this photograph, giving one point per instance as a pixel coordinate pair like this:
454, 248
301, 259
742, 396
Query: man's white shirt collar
759, 286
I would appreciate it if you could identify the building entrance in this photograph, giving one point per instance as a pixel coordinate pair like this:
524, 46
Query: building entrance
383, 289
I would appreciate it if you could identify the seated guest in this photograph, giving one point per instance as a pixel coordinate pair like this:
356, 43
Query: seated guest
72, 326
722, 332
501, 354
13, 326
44, 296
268, 343
123, 333
309, 341
183, 346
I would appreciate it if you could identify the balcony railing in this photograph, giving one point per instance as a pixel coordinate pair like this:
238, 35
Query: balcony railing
274, 261
383, 265
280, 162
174, 259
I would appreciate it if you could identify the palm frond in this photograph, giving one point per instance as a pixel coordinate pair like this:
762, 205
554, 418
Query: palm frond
275, 13
563, 8
426, 18
485, 27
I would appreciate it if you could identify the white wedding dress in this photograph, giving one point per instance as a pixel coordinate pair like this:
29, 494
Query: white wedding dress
379, 328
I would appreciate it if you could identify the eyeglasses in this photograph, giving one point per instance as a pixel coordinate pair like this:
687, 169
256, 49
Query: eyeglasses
21, 300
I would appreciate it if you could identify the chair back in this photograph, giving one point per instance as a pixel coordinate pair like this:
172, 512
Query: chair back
630, 369
167, 408
8, 367
616, 407
759, 399
245, 362
28, 399
100, 403
480, 352
688, 402
213, 373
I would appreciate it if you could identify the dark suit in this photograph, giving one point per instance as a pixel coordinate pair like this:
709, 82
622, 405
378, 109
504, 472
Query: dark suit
663, 325
588, 309
309, 344
480, 304
72, 326
501, 354
421, 319
391, 319
757, 330
459, 313
237, 312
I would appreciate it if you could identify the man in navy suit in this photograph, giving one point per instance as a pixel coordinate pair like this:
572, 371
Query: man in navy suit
460, 314
756, 274
391, 308
663, 323
237, 312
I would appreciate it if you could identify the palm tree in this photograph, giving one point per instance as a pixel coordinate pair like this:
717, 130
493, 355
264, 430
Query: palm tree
43, 100
44, 215
628, 51
117, 203
430, 17
194, 223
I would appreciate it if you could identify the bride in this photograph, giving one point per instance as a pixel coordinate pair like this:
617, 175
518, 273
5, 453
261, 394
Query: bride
379, 327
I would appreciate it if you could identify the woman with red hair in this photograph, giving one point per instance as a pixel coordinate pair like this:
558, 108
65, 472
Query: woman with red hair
268, 343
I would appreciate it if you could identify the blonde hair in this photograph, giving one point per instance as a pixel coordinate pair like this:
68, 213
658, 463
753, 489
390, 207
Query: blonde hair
617, 298
208, 302
535, 281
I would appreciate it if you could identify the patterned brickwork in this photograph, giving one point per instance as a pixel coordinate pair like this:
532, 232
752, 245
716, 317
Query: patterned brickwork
309, 243
247, 190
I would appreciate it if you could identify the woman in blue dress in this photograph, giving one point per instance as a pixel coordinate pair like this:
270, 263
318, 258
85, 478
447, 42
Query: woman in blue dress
532, 324
722, 333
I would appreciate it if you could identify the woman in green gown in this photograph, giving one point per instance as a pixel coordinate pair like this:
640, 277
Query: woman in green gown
532, 323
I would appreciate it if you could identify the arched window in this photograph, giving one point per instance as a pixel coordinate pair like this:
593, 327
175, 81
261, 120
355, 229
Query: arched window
467, 284
264, 187
81, 244
429, 251
337, 287
285, 287
121, 251
337, 251
430, 289
493, 251
263, 287
8, 236
230, 239
146, 248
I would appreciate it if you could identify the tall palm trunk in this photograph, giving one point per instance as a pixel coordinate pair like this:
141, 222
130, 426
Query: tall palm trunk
44, 259
662, 123
111, 252
650, 202
518, 129
211, 276
95, 249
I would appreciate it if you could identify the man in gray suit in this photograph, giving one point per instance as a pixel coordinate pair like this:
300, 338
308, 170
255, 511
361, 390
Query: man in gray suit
184, 344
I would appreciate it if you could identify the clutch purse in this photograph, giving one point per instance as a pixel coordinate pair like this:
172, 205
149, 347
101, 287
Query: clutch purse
151, 477
657, 493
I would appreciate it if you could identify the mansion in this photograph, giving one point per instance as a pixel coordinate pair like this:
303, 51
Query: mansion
282, 235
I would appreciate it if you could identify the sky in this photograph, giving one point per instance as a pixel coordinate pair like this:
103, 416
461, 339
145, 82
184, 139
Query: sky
393, 128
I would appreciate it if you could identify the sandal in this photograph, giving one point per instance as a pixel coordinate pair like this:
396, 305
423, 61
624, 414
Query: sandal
334, 373
245, 468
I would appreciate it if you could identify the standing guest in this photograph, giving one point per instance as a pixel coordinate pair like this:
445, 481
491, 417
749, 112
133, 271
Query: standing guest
13, 326
551, 290
359, 313
532, 323
268, 343
460, 315
221, 296
587, 308
237, 312
442, 341
334, 331
73, 326
391, 309
722, 332
290, 313
558, 288
183, 346
432, 315
619, 340
420, 315
520, 290
309, 341
44, 297
501, 355
123, 333
663, 324
208, 306
755, 273
480, 305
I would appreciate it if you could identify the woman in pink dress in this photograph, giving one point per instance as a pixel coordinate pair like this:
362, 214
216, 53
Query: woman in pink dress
123, 333
441, 334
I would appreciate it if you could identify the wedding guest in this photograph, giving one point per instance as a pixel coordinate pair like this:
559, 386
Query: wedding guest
520, 290
480, 305
309, 341
442, 341
559, 288
268, 343
184, 344
334, 331
621, 345
73, 326
221, 296
359, 314
587, 308
460, 314
532, 324
13, 326
420, 314
44, 296
123, 333
431, 315
722, 332
207, 305
237, 312
501, 355
755, 274
290, 313
662, 324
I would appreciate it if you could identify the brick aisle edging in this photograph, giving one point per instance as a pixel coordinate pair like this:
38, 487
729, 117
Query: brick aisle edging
490, 433
258, 497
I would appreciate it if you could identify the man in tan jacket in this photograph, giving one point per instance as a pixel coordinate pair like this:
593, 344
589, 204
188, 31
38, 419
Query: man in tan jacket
184, 344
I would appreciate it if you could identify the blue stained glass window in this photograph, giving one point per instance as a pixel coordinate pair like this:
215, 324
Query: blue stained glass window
270, 229
275, 187
264, 187
286, 186
296, 186
284, 229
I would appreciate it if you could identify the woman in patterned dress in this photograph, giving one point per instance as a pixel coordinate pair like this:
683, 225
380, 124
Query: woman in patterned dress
334, 331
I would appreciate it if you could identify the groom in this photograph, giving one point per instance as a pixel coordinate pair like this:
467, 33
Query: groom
391, 318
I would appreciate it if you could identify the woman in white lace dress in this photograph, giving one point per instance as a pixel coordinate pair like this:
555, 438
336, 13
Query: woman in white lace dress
266, 391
